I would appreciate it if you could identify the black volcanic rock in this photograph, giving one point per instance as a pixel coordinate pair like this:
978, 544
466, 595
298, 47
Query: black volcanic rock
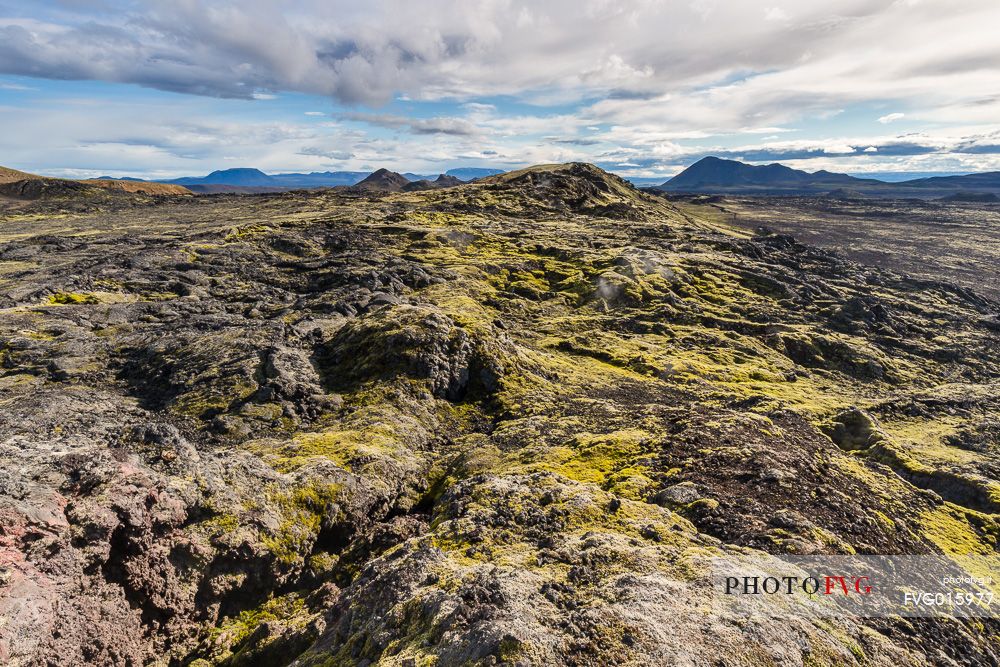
46, 188
417, 186
845, 193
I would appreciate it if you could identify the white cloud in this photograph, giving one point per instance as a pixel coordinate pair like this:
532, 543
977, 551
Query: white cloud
776, 14
646, 83
375, 52
889, 118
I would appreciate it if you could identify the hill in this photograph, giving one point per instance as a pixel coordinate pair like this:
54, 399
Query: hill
383, 180
988, 181
21, 185
972, 198
49, 188
12, 175
524, 421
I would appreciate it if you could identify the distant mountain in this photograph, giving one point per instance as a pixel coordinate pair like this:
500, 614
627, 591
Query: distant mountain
120, 178
897, 176
320, 179
644, 181
464, 174
442, 181
471, 173
383, 180
221, 188
986, 181
250, 181
262, 182
719, 176
240, 176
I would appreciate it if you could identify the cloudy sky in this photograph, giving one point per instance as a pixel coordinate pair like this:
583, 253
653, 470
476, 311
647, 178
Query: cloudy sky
644, 87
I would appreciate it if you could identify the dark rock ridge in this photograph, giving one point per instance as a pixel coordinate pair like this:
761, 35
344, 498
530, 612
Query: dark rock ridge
502, 423
40, 188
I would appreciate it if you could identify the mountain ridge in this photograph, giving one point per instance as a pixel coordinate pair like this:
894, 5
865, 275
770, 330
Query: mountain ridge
252, 177
721, 176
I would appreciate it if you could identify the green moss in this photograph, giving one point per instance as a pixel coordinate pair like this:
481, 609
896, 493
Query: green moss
322, 563
344, 447
247, 232
71, 298
235, 640
950, 529
210, 400
704, 504
857, 651
612, 461
222, 523
237, 629
303, 510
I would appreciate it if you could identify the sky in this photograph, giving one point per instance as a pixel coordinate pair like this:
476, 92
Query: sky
642, 88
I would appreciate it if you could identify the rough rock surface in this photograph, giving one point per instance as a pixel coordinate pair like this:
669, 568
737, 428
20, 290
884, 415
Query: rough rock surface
494, 424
